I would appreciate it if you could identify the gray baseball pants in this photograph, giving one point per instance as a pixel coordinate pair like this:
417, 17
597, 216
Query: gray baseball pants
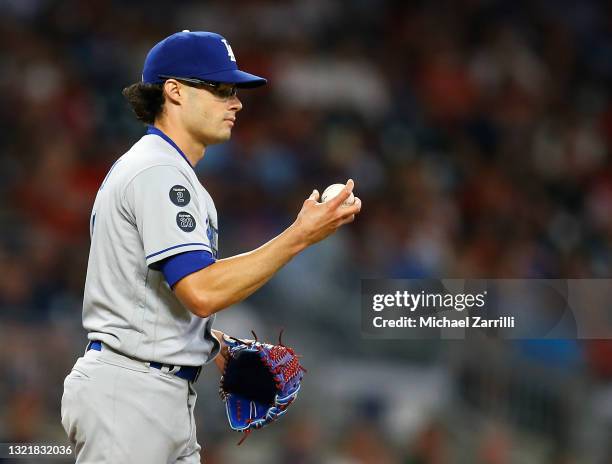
117, 410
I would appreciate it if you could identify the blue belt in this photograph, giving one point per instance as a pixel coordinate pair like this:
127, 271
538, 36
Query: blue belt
189, 373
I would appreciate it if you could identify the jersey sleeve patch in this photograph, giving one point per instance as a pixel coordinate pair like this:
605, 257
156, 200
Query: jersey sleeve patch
179, 195
185, 221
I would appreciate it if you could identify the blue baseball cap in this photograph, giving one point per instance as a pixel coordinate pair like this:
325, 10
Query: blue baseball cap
196, 55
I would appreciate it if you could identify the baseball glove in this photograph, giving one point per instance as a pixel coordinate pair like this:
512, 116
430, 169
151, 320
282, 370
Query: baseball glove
259, 383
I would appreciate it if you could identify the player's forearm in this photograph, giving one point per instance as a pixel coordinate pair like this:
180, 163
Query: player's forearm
231, 280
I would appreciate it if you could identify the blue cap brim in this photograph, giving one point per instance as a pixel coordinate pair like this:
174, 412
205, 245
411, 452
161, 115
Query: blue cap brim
235, 76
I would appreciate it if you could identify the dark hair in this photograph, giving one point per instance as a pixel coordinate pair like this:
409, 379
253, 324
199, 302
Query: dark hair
146, 100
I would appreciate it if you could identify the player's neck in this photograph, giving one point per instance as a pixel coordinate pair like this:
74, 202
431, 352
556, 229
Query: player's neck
193, 149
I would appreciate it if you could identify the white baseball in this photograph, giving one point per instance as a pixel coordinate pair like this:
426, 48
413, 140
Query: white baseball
333, 191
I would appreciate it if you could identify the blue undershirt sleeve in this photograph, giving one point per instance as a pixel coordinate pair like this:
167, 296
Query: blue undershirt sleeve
178, 266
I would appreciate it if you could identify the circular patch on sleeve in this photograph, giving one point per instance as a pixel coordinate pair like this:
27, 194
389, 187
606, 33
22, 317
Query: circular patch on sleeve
179, 195
185, 221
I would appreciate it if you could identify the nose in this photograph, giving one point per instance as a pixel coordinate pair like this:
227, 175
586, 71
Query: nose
235, 104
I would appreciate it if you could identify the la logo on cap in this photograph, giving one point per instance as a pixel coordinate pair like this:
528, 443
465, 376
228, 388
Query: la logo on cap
230, 53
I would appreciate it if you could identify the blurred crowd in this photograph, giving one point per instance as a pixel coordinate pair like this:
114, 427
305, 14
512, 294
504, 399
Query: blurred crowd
478, 133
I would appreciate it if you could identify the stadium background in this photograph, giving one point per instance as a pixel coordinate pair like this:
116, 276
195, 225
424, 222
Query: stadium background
478, 133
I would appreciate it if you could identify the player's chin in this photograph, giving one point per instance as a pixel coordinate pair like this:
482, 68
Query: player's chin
219, 137
225, 134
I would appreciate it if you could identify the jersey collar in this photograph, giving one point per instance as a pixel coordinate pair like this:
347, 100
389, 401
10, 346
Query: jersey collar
155, 131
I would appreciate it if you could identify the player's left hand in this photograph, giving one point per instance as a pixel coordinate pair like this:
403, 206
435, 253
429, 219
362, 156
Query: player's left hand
259, 384
222, 357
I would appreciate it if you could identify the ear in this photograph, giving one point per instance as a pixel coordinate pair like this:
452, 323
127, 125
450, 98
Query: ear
174, 91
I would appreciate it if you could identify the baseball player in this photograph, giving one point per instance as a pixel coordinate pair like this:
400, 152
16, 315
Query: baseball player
154, 278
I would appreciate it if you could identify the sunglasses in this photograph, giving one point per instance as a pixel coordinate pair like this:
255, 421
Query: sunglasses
219, 89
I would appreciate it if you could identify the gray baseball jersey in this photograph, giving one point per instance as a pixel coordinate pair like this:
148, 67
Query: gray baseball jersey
150, 206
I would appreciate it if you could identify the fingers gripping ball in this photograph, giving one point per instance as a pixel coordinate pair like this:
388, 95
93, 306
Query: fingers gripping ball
259, 383
333, 191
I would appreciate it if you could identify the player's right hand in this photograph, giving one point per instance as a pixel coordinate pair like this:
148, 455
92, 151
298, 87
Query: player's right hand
316, 220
